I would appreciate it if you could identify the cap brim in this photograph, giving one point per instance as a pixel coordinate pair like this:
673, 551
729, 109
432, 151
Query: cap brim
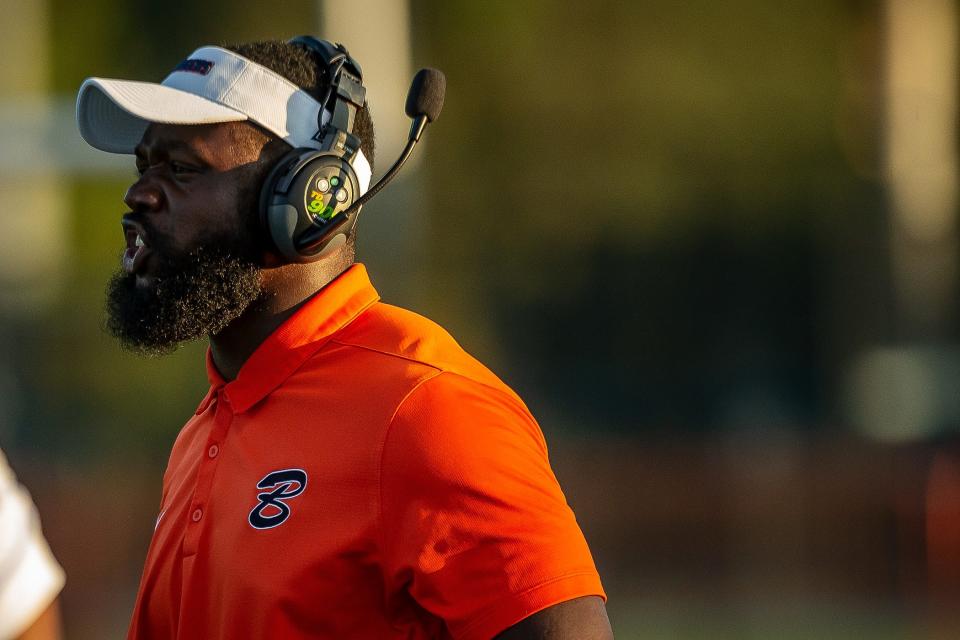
112, 115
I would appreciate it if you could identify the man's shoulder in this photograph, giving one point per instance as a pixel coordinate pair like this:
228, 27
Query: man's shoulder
392, 334
388, 357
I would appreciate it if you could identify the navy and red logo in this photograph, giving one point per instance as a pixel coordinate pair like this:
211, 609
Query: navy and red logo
279, 486
195, 65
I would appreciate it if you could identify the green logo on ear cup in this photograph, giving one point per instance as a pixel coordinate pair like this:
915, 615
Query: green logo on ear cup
318, 209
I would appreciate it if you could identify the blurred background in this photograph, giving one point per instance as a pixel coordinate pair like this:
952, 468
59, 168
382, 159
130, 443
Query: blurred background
714, 246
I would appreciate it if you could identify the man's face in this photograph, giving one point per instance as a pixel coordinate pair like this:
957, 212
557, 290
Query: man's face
191, 260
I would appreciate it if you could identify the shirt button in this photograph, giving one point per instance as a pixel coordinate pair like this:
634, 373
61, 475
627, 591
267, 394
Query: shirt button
197, 514
213, 451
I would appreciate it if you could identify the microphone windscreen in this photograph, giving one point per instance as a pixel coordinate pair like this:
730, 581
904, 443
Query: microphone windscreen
426, 94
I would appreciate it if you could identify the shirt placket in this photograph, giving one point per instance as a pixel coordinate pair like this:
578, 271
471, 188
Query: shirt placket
197, 514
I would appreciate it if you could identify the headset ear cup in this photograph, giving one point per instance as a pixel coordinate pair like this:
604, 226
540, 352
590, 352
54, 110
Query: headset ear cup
268, 189
307, 189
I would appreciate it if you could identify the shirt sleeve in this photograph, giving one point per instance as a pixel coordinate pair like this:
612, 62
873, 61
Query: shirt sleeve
475, 526
30, 577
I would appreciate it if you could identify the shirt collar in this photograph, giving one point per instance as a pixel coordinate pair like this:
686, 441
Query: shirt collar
297, 339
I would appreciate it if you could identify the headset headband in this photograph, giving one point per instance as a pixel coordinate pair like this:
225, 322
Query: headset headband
345, 95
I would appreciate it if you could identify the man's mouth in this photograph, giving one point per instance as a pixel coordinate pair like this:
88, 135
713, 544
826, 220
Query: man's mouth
138, 251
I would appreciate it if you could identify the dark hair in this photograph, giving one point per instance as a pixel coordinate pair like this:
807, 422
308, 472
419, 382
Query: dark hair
302, 67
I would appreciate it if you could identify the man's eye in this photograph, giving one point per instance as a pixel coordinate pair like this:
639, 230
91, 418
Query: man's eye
175, 168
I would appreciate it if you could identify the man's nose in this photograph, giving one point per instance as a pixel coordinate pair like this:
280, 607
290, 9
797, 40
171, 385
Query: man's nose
143, 195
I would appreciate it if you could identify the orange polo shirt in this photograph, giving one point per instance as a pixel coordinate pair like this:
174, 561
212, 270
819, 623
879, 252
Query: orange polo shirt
363, 477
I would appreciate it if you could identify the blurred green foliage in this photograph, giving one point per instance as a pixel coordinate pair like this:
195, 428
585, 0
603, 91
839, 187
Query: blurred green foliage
645, 199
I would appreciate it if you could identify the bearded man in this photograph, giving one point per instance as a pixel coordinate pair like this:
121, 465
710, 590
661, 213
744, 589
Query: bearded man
351, 472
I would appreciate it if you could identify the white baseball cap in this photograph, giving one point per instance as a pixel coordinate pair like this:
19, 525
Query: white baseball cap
212, 85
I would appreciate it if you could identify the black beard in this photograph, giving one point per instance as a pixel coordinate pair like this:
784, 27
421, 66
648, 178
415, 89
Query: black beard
194, 295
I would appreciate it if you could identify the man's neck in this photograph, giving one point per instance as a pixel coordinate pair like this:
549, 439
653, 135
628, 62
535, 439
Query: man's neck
285, 290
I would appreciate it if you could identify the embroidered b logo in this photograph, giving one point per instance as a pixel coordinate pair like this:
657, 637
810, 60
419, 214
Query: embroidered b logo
281, 486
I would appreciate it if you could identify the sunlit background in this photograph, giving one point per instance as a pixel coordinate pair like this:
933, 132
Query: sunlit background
714, 245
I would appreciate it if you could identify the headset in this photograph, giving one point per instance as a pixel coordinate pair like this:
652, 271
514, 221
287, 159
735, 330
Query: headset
314, 189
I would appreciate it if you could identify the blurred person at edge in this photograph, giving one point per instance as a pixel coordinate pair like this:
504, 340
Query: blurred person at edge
352, 472
30, 578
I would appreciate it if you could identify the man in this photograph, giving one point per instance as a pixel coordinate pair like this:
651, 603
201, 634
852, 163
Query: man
30, 577
351, 473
